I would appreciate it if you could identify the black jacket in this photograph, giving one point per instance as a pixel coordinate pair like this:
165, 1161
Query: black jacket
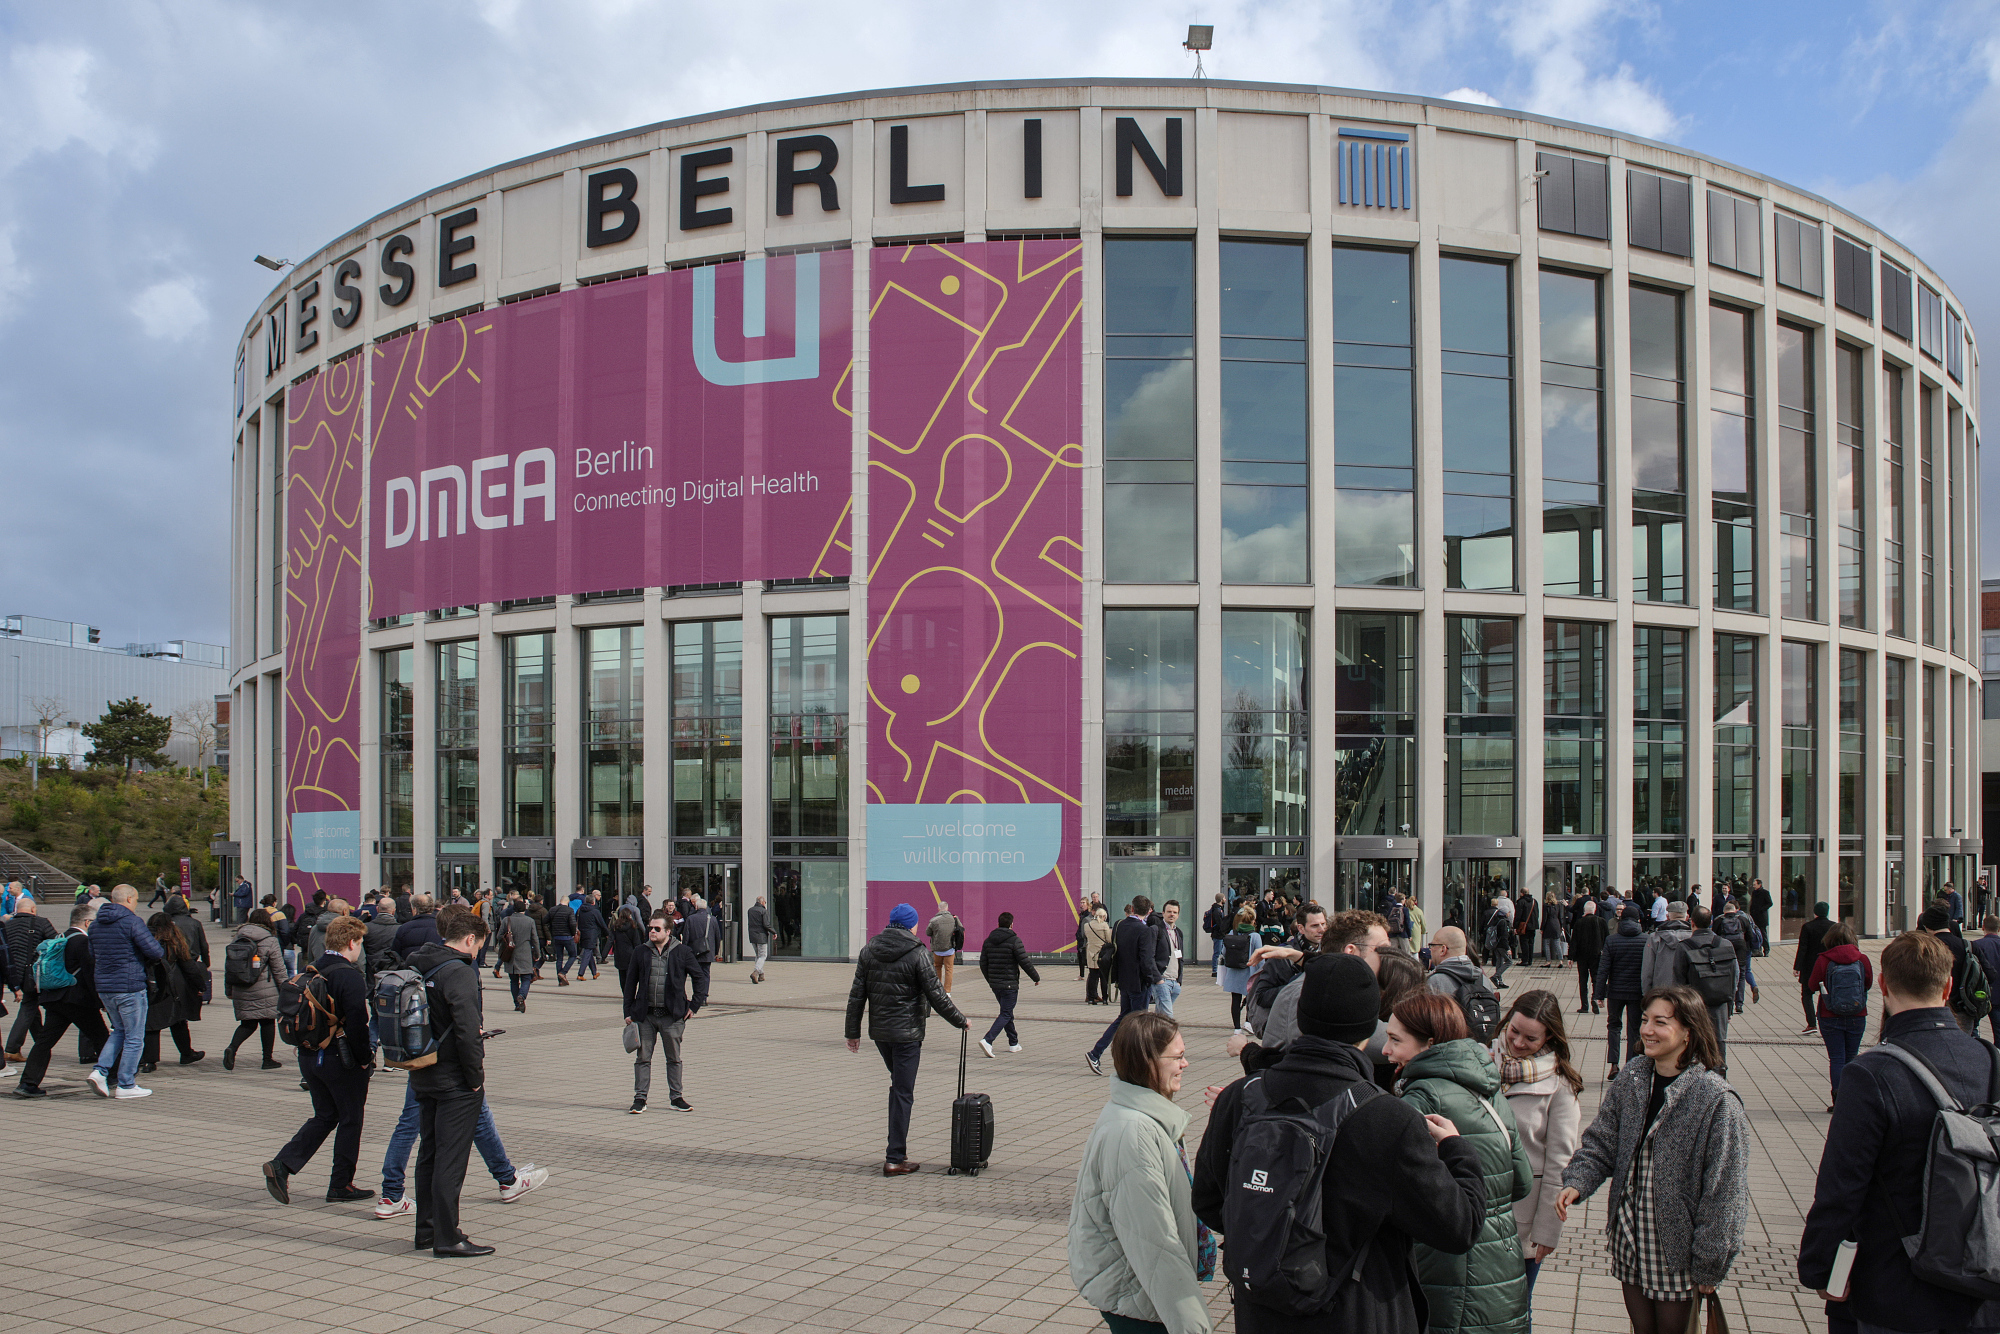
590, 923
895, 982
24, 933
1137, 966
456, 1012
348, 989
703, 933
416, 933
1386, 1186
562, 921
77, 958
1622, 969
1002, 960
379, 943
1812, 941
626, 941
190, 928
1735, 928
680, 963
1871, 1174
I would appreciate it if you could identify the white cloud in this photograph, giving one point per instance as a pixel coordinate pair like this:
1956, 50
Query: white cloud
14, 277
47, 104
170, 310
1472, 95
1562, 47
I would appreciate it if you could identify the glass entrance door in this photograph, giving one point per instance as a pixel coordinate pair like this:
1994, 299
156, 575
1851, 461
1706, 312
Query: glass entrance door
1245, 882
614, 880
720, 884
1367, 884
457, 875
530, 877
1895, 916
1469, 886
1565, 879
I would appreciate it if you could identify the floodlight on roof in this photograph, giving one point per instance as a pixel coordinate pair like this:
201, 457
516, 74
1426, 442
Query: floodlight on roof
1200, 38
275, 265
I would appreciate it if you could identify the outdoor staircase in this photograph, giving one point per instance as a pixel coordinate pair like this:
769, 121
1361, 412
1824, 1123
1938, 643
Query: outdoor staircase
48, 882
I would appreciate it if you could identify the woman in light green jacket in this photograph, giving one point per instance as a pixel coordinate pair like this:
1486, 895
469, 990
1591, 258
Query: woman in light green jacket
1136, 1251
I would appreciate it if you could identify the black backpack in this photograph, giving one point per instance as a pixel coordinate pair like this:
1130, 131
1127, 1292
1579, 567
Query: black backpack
1236, 949
1712, 971
1970, 994
242, 962
306, 1017
1480, 1004
1957, 1242
1274, 1240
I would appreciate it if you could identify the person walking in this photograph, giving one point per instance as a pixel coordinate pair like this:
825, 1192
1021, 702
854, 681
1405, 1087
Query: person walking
1841, 977
520, 955
1760, 913
1672, 1139
1444, 1073
66, 986
252, 968
1871, 1184
1136, 1251
1587, 948
1619, 978
513, 1182
1393, 1176
1987, 950
1138, 967
451, 1091
1734, 927
628, 936
1235, 951
1541, 1085
174, 983
1170, 954
120, 949
336, 1075
1454, 974
1096, 956
1555, 931
897, 987
562, 940
190, 928
758, 924
1002, 960
24, 933
1812, 939
591, 929
1497, 936
1215, 925
1663, 945
657, 1001
946, 935
417, 927
1711, 967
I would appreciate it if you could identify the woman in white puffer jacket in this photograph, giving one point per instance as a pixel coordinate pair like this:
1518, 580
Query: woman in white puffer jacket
1540, 1085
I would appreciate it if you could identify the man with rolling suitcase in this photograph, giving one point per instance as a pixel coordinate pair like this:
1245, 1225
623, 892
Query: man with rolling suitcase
895, 983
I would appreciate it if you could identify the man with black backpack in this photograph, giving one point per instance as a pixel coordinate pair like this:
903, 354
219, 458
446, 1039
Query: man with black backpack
1881, 1173
1282, 1190
450, 1091
1709, 964
1454, 974
1215, 925
323, 1011
1971, 996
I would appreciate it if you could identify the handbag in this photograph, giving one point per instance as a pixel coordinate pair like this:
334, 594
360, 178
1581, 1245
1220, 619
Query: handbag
1715, 1321
631, 1035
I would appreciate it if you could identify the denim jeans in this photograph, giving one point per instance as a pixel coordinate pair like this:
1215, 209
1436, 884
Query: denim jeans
1165, 992
127, 1012
565, 954
1842, 1037
586, 957
1129, 1002
518, 984
485, 1138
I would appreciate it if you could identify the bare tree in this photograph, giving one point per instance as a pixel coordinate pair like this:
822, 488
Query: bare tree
196, 723
49, 712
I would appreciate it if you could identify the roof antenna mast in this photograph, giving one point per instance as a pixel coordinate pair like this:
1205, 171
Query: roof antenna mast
1200, 38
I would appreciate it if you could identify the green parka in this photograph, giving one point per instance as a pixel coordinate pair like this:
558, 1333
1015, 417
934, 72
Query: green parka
1484, 1291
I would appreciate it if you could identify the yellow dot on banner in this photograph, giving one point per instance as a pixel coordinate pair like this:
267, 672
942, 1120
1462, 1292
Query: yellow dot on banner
950, 285
910, 684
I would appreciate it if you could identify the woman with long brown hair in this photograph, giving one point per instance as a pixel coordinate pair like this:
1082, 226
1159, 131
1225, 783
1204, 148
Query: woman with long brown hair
176, 990
1672, 1140
1541, 1084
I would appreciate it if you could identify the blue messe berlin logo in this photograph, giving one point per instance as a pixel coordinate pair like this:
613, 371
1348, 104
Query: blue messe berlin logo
957, 843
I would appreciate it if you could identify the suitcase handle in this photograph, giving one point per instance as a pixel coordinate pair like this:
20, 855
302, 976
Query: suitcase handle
964, 1050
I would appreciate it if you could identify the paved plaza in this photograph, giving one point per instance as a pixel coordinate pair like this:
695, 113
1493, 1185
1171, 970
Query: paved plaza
761, 1211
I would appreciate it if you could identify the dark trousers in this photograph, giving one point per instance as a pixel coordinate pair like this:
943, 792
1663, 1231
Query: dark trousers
901, 1058
1810, 1002
1006, 1019
339, 1096
183, 1039
1129, 1002
518, 983
1096, 985
1842, 1037
1632, 1011
446, 1122
26, 1020
565, 954
57, 1017
1587, 990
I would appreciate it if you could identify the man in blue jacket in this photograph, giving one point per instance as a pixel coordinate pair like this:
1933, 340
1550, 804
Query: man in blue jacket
1138, 967
120, 948
591, 929
1871, 1174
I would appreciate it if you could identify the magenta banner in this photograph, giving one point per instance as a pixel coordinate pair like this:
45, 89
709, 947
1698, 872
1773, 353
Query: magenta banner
975, 597
323, 491
674, 428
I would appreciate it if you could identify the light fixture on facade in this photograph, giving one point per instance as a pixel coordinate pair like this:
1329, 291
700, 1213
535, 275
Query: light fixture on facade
274, 265
1200, 38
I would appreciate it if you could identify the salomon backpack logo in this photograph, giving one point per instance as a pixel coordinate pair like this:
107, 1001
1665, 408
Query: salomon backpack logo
1257, 1182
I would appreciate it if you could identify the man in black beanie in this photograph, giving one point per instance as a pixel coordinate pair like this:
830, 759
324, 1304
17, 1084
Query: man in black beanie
1394, 1176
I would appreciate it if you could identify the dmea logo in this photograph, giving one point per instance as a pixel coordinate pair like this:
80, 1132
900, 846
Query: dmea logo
534, 478
803, 364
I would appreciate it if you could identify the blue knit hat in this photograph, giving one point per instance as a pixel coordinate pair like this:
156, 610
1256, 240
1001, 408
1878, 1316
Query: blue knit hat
903, 915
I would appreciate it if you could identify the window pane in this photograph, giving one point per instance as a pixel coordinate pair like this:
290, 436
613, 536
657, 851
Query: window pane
1264, 539
1569, 319
1264, 409
1479, 542
1149, 533
1474, 306
1149, 285
1372, 416
1570, 433
1374, 537
1263, 289
1371, 296
1148, 409
1478, 424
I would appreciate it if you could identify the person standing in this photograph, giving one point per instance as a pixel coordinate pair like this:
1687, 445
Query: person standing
1619, 976
336, 1075
702, 932
173, 988
451, 1091
521, 955
1541, 1085
66, 987
1672, 1139
628, 936
1954, 904
24, 932
1812, 939
1002, 960
1587, 948
1662, 946
1712, 967
1555, 931
562, 940
1215, 925
416, 927
1987, 950
1170, 954
1235, 951
1096, 956
656, 999
1871, 1181
255, 1001
1442, 1072
1760, 912
758, 924
945, 933
1841, 977
1136, 1251
1138, 967
244, 896
120, 948
897, 987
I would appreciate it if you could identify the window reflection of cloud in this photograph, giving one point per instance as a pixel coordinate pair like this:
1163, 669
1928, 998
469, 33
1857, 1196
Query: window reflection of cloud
1264, 534
1374, 536
1153, 530
1156, 419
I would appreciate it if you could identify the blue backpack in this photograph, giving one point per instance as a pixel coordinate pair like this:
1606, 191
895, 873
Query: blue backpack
51, 968
1843, 992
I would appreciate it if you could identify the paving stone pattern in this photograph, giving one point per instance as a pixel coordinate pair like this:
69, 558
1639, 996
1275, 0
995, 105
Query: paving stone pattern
763, 1210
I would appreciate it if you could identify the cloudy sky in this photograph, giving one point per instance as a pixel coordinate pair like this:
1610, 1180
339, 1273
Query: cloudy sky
147, 151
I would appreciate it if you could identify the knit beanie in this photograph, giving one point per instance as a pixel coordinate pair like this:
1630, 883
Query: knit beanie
903, 915
1934, 919
1340, 999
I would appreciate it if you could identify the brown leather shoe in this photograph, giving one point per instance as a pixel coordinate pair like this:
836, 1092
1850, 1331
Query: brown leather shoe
900, 1169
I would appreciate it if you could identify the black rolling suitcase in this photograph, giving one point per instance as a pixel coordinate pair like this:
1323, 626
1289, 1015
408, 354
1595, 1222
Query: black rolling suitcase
971, 1121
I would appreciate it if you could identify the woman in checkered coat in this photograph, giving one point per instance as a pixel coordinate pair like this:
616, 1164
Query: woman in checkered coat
1672, 1140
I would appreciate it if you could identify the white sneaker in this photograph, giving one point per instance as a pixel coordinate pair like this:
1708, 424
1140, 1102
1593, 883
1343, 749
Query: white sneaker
526, 1179
986, 1047
134, 1092
96, 1080
1015, 1047
388, 1208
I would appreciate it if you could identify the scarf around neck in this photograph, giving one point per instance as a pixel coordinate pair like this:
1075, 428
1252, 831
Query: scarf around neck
1514, 1070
